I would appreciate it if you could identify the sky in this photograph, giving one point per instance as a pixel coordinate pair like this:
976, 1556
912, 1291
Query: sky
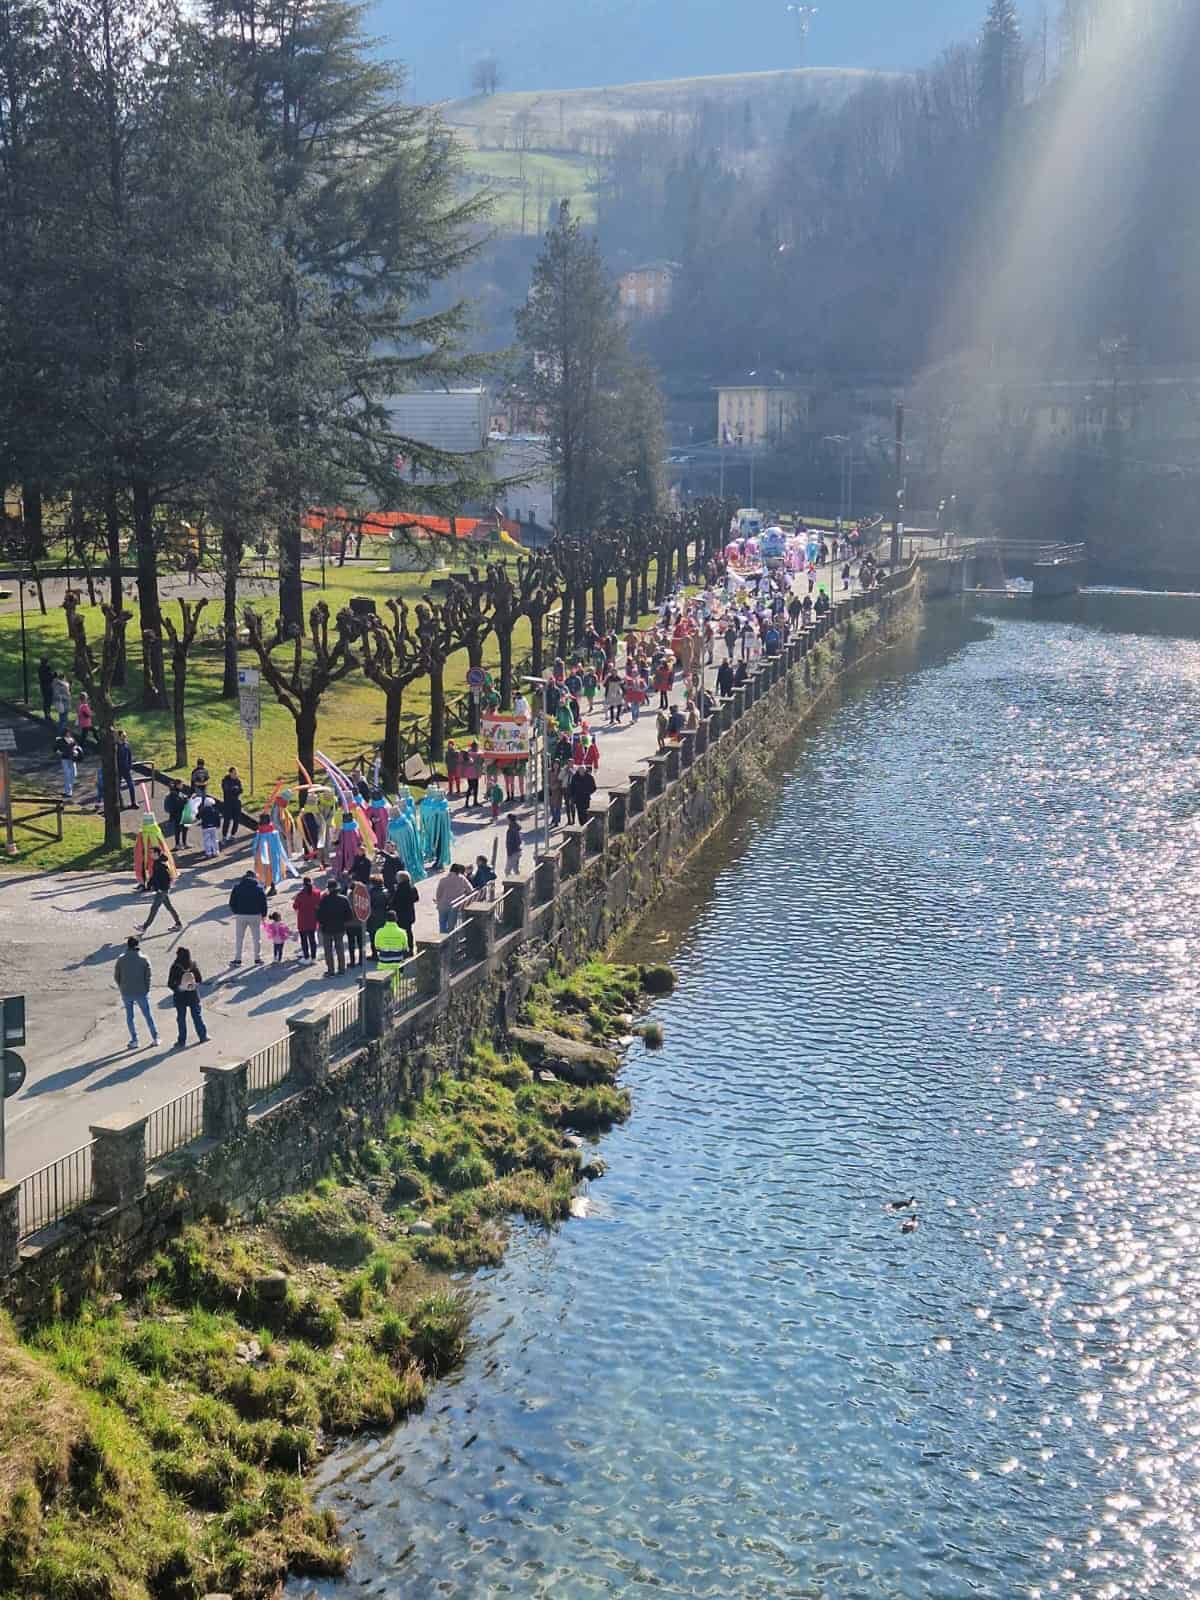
569, 44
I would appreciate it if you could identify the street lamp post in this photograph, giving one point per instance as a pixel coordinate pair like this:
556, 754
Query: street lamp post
544, 750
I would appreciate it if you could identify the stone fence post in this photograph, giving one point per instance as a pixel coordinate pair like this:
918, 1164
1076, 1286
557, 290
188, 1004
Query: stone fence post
594, 831
702, 734
618, 808
671, 757
545, 879
225, 1099
739, 700
424, 969
119, 1159
687, 749
10, 1227
518, 896
378, 1002
637, 795
480, 922
309, 1045
571, 858
656, 772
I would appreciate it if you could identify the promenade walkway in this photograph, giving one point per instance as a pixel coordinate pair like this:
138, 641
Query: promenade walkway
60, 935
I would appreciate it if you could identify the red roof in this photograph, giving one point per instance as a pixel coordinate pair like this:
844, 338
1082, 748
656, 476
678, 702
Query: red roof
379, 524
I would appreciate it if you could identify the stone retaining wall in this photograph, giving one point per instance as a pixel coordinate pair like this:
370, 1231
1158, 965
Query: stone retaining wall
577, 899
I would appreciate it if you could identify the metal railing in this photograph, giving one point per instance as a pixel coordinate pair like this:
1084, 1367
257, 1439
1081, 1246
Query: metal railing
177, 1123
54, 1191
345, 1023
267, 1068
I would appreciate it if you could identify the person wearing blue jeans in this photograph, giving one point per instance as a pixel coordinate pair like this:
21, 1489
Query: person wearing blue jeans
184, 981
132, 977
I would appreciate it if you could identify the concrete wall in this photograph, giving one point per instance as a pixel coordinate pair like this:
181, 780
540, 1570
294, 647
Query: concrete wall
597, 880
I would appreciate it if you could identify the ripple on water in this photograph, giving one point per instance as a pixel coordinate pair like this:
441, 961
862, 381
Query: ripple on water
955, 960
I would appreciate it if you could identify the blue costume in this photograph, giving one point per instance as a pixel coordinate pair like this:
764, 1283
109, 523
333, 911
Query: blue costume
435, 829
405, 834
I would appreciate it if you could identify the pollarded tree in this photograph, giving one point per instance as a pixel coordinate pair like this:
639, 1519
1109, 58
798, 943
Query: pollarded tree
317, 662
370, 214
470, 613
439, 641
182, 639
394, 655
574, 561
531, 595
540, 583
97, 677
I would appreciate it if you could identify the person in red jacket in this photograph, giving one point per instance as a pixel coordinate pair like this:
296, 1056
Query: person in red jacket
305, 908
664, 678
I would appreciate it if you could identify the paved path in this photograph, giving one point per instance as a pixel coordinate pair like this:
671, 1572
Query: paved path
60, 936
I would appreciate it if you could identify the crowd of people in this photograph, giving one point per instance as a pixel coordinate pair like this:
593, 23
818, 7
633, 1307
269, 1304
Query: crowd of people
371, 852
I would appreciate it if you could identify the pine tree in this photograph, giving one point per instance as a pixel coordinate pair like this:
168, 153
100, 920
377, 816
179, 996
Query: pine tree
1001, 63
368, 209
574, 345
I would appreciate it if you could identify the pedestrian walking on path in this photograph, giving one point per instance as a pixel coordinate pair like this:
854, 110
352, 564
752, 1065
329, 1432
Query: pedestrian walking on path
248, 902
391, 943
68, 753
84, 720
208, 815
304, 908
46, 677
333, 913
231, 803
451, 891
277, 933
125, 765
132, 978
404, 903
184, 982
512, 847
159, 884
60, 700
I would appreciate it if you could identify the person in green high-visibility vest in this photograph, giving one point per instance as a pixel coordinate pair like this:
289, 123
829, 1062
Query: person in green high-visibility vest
391, 943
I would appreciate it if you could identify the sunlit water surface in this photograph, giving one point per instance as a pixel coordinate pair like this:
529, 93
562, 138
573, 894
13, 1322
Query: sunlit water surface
954, 958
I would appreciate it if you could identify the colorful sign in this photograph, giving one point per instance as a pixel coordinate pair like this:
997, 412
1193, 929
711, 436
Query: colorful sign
503, 737
360, 901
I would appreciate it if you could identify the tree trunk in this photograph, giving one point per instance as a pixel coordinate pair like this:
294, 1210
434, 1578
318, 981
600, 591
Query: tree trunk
291, 583
112, 542
306, 743
231, 559
390, 755
31, 507
504, 646
112, 794
643, 604
579, 615
437, 709
564, 625
154, 693
622, 586
536, 645
474, 659
598, 613
662, 576
178, 689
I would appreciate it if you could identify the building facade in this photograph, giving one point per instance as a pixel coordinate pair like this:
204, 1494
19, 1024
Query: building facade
645, 291
756, 415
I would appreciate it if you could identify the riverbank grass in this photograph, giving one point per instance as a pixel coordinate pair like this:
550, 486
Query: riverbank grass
155, 1446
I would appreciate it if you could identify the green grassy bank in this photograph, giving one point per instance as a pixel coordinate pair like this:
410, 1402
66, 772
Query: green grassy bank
155, 1445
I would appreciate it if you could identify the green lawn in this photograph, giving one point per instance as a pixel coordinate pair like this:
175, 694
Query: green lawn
554, 177
351, 717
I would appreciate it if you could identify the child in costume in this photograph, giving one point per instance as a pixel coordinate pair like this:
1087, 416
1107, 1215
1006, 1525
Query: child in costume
495, 796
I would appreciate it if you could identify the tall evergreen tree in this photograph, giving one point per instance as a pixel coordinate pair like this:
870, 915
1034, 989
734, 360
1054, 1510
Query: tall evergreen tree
367, 208
1001, 63
574, 345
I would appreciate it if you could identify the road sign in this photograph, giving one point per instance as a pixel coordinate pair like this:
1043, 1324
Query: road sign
476, 677
249, 708
12, 1013
248, 677
14, 1073
360, 901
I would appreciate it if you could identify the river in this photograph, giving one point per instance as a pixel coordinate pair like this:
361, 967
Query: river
954, 958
